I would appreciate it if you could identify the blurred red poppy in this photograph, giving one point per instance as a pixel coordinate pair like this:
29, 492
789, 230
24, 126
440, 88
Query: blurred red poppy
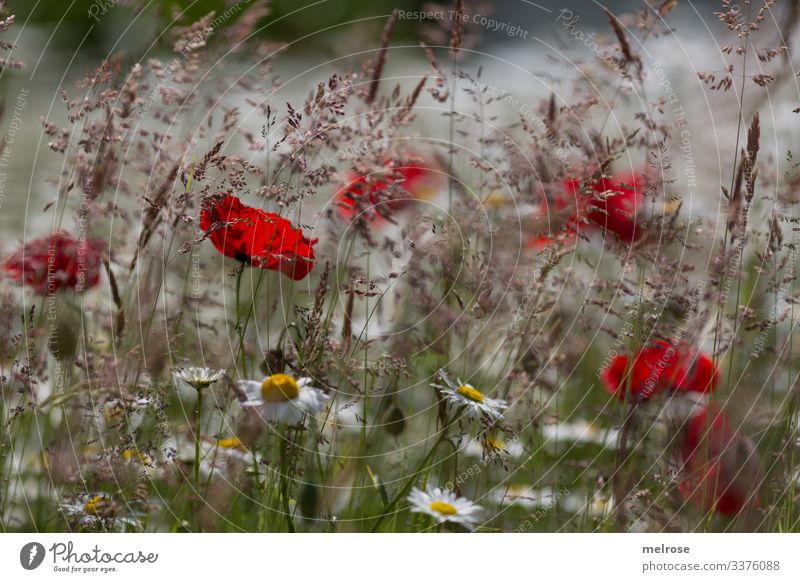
613, 207
57, 262
660, 367
720, 469
373, 196
260, 239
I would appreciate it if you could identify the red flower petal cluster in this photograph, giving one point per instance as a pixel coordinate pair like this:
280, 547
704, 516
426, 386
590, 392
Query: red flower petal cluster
57, 262
260, 239
614, 208
660, 367
720, 468
372, 195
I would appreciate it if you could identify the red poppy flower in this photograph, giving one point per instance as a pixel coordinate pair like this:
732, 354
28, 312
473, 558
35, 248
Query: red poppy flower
660, 367
260, 239
614, 208
373, 195
719, 468
57, 262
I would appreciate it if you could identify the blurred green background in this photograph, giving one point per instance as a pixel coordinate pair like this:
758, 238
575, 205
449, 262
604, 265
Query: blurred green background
292, 18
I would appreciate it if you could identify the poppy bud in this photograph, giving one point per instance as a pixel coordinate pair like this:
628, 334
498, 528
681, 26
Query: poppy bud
395, 422
309, 500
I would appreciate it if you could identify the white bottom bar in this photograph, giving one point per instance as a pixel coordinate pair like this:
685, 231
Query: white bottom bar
406, 557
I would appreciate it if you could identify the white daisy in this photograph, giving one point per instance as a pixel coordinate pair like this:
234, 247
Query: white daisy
90, 510
218, 457
494, 447
198, 378
120, 414
282, 398
221, 456
226, 455
444, 506
470, 398
140, 461
135, 456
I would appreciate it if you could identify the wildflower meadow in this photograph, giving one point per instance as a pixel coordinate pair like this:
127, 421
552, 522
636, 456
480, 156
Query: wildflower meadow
458, 267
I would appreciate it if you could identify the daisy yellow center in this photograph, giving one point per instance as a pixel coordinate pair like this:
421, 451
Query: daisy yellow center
95, 504
229, 443
495, 444
129, 454
279, 388
114, 411
469, 393
443, 508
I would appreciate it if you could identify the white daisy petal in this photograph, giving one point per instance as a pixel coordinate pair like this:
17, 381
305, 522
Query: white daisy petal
252, 391
311, 400
282, 398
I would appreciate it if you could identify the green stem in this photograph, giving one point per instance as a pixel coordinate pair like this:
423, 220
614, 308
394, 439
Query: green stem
743, 233
452, 128
239, 327
197, 422
284, 479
